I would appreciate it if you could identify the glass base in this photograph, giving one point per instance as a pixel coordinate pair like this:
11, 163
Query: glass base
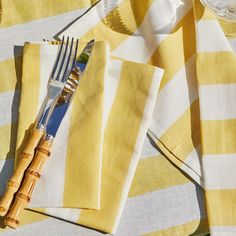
225, 9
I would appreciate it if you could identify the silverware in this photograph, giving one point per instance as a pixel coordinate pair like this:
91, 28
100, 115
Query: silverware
63, 64
34, 171
68, 91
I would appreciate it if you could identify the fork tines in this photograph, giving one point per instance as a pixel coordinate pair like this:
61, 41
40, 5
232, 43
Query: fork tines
65, 59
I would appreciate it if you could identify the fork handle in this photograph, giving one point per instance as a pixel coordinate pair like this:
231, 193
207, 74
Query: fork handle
24, 161
33, 174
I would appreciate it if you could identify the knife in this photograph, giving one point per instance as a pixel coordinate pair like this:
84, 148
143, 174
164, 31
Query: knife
34, 171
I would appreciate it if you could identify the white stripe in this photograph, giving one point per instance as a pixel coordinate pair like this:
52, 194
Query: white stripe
183, 9
162, 21
193, 166
35, 31
128, 49
162, 209
174, 99
218, 101
111, 82
110, 87
193, 162
106, 110
223, 230
9, 103
232, 42
219, 171
52, 179
210, 37
149, 106
50, 227
150, 149
47, 55
81, 26
143, 214
68, 214
6, 170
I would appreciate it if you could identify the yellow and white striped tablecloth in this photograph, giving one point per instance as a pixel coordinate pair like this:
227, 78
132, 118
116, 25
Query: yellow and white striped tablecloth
162, 200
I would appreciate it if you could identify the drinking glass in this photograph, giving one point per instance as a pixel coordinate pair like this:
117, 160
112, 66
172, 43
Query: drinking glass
225, 9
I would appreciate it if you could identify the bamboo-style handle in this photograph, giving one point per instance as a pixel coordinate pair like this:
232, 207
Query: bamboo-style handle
24, 161
33, 174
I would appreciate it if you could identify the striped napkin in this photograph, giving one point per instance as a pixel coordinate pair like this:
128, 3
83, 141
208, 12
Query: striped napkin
99, 143
59, 182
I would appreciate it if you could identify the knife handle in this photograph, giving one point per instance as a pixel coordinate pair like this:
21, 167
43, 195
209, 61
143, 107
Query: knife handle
24, 161
33, 174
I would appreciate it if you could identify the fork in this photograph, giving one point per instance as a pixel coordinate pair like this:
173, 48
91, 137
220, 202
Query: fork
64, 62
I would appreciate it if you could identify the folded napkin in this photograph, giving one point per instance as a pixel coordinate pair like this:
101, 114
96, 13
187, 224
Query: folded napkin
59, 183
98, 145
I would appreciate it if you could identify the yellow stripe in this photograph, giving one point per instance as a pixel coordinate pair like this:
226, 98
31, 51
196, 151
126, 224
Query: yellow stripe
202, 13
218, 136
212, 69
156, 170
176, 49
28, 217
30, 89
178, 145
8, 141
120, 19
140, 8
221, 207
11, 71
0, 11
228, 27
120, 138
22, 11
84, 145
102, 33
197, 227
